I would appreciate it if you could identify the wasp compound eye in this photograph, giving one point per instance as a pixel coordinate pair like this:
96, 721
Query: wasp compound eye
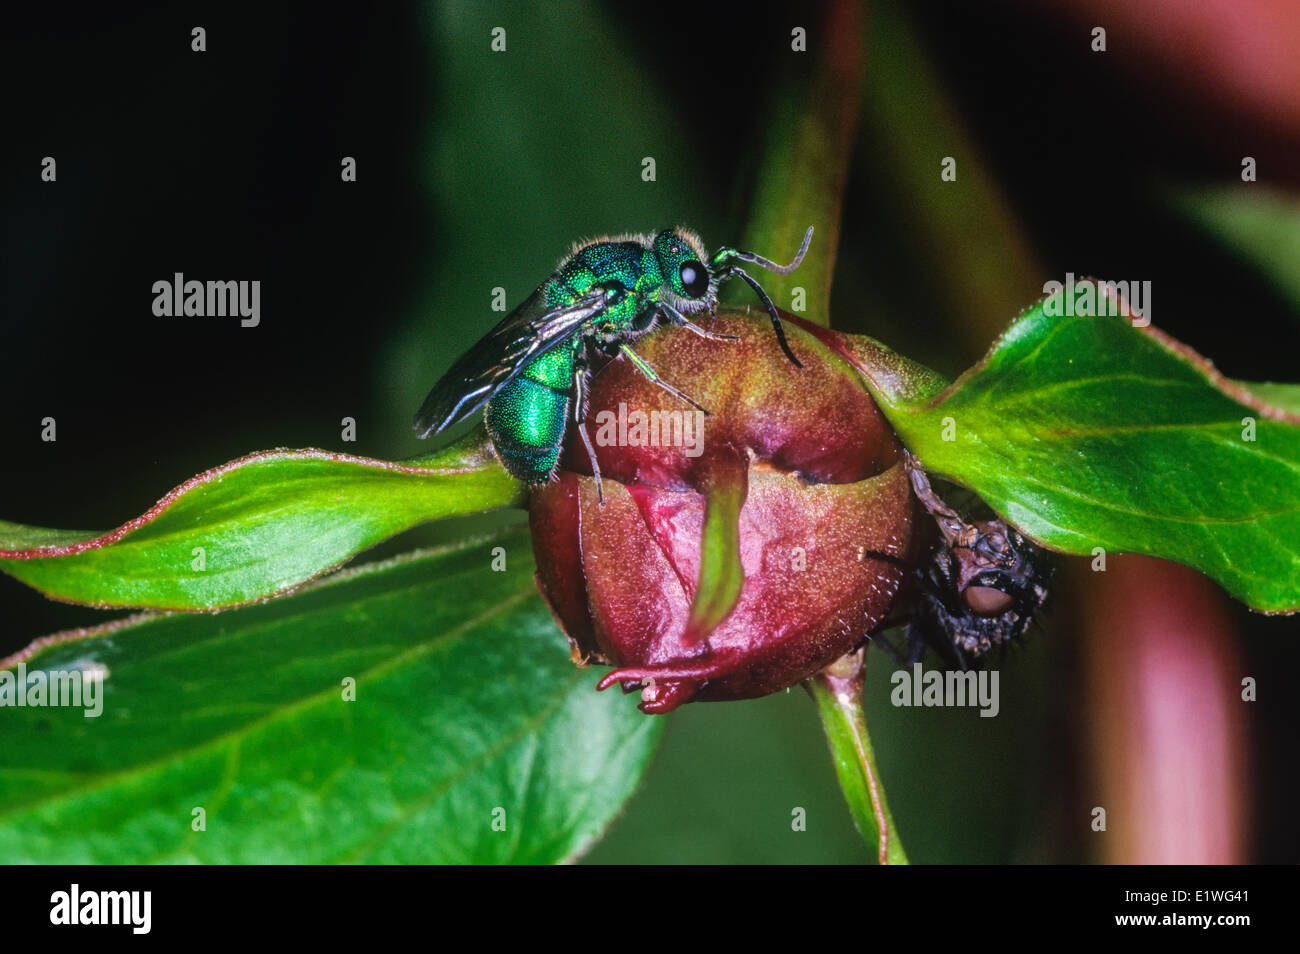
695, 280
987, 601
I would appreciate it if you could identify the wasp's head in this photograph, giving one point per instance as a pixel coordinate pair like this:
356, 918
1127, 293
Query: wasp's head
686, 272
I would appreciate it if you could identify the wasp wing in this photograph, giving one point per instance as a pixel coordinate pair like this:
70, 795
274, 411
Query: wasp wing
524, 335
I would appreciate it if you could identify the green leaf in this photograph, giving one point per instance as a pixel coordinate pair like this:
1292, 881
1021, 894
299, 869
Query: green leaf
1283, 396
1088, 432
255, 527
838, 694
467, 710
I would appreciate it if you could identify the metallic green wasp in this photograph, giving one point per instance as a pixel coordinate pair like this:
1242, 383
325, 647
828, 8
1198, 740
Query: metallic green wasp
533, 368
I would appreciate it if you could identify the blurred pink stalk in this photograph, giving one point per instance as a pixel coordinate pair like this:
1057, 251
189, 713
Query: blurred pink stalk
1165, 715
1233, 64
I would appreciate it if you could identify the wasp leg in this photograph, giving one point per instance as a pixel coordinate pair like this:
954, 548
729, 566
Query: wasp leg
644, 367
678, 318
580, 419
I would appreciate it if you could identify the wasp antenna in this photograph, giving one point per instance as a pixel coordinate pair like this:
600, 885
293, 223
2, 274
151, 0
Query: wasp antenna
798, 258
771, 312
767, 263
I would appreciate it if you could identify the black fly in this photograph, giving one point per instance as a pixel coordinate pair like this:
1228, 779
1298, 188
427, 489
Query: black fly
979, 587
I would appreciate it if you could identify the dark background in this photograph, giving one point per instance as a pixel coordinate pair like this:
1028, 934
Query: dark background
477, 170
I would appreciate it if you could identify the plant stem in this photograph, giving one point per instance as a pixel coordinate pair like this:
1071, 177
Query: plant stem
804, 171
837, 691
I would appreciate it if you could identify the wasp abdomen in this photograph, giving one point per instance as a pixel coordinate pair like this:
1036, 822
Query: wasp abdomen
526, 420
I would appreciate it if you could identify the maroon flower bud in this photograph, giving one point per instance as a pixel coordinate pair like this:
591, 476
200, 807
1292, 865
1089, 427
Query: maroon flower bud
799, 478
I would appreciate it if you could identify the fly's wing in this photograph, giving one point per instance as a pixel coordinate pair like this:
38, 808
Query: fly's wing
525, 334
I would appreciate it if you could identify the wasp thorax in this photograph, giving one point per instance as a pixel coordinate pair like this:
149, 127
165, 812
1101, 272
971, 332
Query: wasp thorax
797, 467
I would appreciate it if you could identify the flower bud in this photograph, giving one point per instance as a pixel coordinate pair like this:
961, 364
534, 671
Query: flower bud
794, 476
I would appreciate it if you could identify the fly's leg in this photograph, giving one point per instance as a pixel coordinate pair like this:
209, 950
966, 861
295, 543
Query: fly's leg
989, 541
955, 530
677, 318
644, 367
878, 639
876, 636
580, 419
978, 608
